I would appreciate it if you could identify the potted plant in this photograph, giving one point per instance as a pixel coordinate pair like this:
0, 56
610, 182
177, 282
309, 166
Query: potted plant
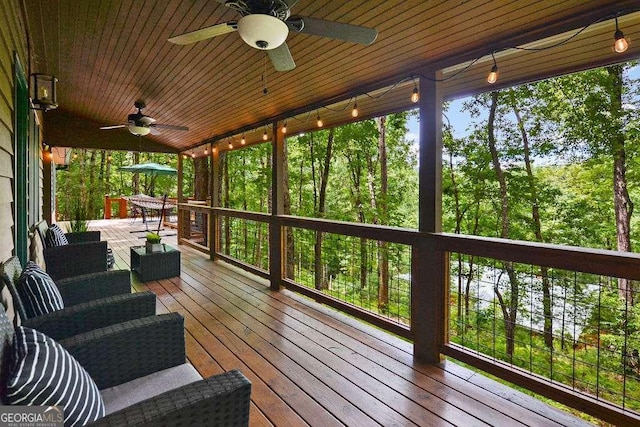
153, 242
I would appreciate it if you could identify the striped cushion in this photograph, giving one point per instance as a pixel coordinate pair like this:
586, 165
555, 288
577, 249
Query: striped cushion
38, 292
44, 373
56, 237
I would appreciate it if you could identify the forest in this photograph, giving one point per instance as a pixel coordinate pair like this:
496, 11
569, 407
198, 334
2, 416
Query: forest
554, 161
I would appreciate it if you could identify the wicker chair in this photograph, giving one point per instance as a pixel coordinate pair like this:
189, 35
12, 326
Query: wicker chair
92, 301
84, 254
124, 359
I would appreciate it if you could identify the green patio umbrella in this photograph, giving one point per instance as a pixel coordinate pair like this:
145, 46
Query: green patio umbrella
150, 169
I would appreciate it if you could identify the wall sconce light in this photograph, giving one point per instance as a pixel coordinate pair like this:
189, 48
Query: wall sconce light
43, 92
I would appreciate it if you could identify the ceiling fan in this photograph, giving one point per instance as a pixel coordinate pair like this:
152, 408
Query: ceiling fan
141, 125
265, 25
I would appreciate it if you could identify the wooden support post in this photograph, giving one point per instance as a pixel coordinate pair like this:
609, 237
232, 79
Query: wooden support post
48, 186
181, 218
214, 223
276, 235
123, 211
107, 207
428, 269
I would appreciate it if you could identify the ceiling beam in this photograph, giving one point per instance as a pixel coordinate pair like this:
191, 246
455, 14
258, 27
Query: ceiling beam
64, 129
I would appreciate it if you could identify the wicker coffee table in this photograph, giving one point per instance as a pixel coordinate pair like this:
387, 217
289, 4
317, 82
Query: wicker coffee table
155, 265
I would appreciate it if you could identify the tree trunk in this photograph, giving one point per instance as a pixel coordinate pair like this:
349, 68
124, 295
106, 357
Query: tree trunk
355, 174
321, 276
537, 226
622, 203
225, 186
509, 309
286, 201
136, 176
383, 251
200, 192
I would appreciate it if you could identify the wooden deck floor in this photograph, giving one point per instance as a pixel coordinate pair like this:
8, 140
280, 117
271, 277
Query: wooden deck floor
310, 365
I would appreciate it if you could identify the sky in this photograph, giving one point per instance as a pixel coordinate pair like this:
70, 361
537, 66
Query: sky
460, 121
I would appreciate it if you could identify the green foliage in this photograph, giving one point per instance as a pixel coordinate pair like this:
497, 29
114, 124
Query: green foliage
153, 238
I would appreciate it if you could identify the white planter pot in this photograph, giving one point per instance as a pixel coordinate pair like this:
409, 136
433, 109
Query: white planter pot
154, 247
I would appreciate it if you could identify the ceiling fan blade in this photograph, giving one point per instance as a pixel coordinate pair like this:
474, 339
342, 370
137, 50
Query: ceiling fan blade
146, 120
281, 58
154, 131
290, 3
113, 127
336, 30
172, 127
204, 33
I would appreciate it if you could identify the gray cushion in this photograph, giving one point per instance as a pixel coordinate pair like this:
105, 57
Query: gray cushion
132, 392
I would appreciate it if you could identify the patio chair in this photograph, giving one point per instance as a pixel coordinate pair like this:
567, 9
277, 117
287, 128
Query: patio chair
91, 301
137, 374
84, 253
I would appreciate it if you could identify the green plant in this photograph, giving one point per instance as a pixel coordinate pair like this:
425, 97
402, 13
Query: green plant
78, 225
153, 238
78, 222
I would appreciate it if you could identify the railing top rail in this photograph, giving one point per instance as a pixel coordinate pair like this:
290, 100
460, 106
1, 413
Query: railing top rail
573, 258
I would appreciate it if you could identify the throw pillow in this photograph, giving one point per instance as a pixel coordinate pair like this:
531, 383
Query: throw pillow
56, 237
44, 373
38, 292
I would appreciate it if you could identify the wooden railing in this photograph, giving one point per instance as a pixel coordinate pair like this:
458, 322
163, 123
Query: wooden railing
430, 297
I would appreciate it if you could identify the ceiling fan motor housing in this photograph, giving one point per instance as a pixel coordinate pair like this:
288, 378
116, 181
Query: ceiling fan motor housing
263, 32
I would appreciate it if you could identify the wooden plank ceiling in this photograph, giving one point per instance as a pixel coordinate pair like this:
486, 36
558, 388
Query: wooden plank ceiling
109, 53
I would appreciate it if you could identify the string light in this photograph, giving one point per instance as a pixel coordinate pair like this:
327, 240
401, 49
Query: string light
75, 155
230, 146
243, 140
265, 136
415, 95
319, 121
206, 151
193, 155
284, 127
621, 45
493, 75
354, 112
213, 150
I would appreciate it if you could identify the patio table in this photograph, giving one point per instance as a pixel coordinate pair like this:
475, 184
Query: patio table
155, 265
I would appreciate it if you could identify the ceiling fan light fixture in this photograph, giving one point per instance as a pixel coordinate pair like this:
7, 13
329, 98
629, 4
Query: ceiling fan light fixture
264, 32
139, 130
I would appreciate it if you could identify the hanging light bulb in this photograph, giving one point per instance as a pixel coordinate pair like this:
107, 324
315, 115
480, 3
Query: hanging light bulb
319, 120
354, 112
206, 151
621, 45
193, 155
184, 156
493, 75
415, 95
243, 140
230, 146
109, 158
284, 127
75, 155
265, 136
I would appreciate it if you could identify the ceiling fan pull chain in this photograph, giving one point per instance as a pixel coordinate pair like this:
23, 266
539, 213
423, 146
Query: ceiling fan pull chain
264, 71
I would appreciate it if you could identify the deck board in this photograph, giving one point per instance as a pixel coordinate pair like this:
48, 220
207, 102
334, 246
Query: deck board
311, 365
